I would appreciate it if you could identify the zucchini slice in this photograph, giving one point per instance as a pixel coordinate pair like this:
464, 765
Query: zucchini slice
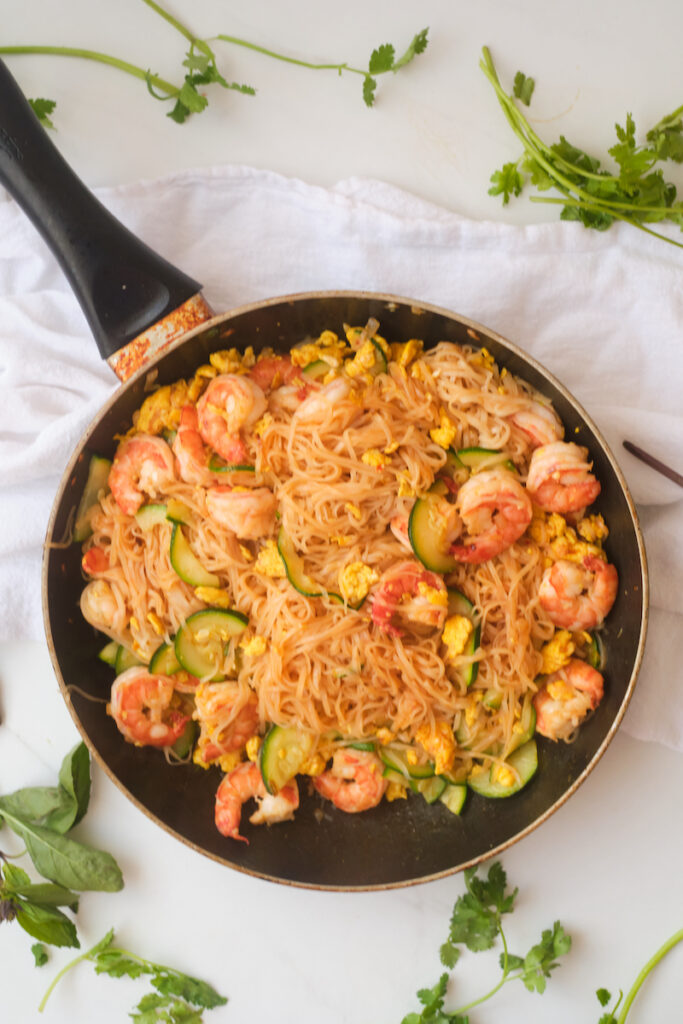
431, 789
164, 661
98, 474
526, 727
397, 760
294, 566
458, 604
149, 516
200, 642
186, 741
524, 761
454, 468
453, 797
217, 465
283, 752
125, 659
316, 370
177, 512
479, 459
186, 563
426, 531
108, 653
595, 655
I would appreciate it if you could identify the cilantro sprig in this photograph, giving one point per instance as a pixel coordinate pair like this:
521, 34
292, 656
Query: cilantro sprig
637, 193
200, 68
604, 997
476, 924
175, 996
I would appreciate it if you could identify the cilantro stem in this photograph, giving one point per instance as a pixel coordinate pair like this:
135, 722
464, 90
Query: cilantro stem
179, 27
94, 55
289, 60
592, 205
649, 966
58, 977
496, 988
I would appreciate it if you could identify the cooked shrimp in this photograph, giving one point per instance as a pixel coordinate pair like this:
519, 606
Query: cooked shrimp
559, 478
104, 608
143, 465
496, 511
190, 451
273, 371
354, 782
399, 527
96, 562
230, 404
249, 513
414, 594
578, 596
244, 783
334, 399
539, 422
226, 724
141, 707
566, 698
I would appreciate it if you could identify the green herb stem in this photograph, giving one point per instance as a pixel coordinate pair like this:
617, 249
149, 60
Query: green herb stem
58, 977
496, 988
568, 201
289, 60
200, 44
649, 966
94, 55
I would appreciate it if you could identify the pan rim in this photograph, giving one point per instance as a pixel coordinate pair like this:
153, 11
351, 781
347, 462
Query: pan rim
472, 325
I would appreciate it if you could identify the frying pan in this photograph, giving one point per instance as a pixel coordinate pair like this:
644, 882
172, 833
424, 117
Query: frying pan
148, 317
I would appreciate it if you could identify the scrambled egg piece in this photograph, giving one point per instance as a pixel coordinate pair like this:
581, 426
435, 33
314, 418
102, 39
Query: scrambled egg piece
391, 448
557, 652
354, 335
328, 348
569, 547
484, 358
353, 510
405, 353
545, 528
592, 528
254, 646
385, 735
226, 761
434, 596
156, 623
232, 361
253, 747
355, 580
269, 562
445, 433
404, 488
439, 743
363, 361
341, 540
396, 791
161, 410
314, 765
456, 632
214, 596
260, 427
503, 775
472, 708
246, 553
374, 457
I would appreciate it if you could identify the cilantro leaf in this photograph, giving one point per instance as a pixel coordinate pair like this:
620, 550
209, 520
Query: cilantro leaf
603, 996
369, 86
507, 181
523, 88
42, 108
418, 44
449, 954
381, 59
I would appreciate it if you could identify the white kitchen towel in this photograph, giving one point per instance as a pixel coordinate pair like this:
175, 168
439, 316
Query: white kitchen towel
602, 311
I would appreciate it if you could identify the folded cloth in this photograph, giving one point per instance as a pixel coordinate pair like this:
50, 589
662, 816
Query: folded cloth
602, 311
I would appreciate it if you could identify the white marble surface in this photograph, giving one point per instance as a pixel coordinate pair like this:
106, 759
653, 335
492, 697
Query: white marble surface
608, 863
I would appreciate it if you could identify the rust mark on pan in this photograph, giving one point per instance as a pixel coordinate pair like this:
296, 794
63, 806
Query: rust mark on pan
155, 339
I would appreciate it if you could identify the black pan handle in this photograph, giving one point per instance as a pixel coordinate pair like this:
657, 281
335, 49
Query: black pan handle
122, 285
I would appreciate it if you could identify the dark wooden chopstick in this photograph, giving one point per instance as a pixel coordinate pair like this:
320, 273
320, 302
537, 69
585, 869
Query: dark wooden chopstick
650, 460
